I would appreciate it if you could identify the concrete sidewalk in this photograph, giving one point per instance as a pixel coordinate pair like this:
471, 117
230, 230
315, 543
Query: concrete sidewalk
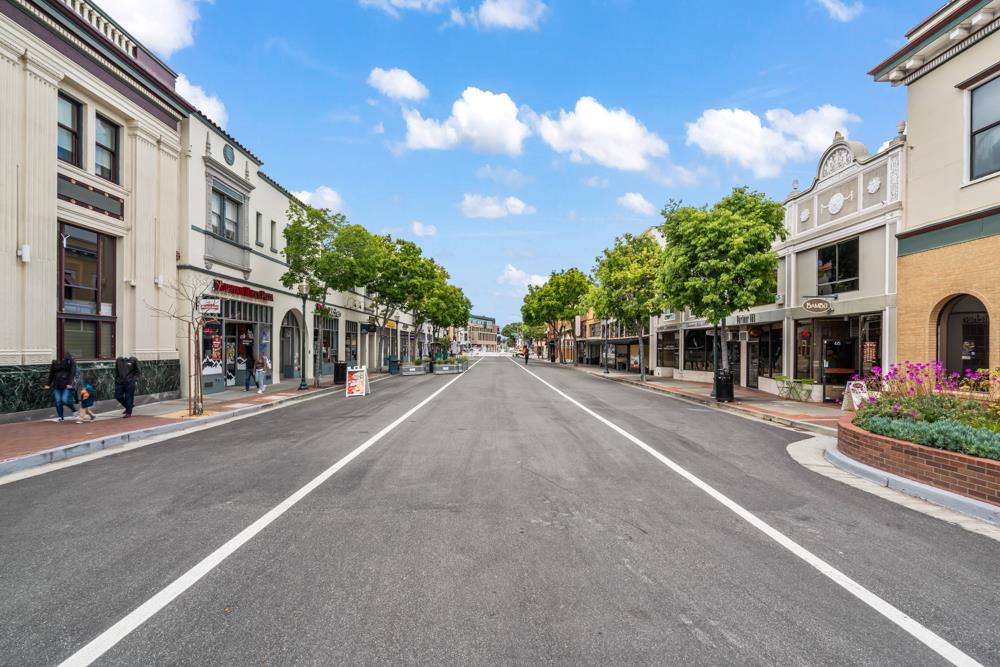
816, 417
28, 444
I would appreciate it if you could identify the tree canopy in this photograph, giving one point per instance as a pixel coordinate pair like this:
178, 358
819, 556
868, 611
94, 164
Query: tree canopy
626, 287
557, 302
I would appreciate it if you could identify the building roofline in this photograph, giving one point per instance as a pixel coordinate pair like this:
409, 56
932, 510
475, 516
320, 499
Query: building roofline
270, 181
117, 25
225, 135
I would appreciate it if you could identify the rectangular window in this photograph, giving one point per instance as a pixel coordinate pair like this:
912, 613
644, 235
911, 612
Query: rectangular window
837, 267
667, 351
86, 317
260, 222
225, 217
106, 149
274, 236
985, 129
70, 115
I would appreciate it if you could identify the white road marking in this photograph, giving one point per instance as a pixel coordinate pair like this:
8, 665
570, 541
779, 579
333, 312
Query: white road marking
925, 635
107, 639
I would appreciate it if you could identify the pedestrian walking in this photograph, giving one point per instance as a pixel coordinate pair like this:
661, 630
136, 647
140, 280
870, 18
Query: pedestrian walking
62, 373
251, 371
261, 368
126, 376
525, 355
86, 401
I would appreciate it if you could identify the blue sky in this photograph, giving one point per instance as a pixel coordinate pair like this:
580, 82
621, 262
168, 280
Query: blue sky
511, 138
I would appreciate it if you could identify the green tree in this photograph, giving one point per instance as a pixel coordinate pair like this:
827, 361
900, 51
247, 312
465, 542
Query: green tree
511, 332
626, 286
721, 260
430, 298
557, 303
309, 234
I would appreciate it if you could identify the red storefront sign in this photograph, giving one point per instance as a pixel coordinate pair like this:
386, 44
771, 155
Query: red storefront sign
240, 290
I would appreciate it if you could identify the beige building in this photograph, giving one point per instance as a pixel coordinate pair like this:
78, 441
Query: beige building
89, 146
949, 244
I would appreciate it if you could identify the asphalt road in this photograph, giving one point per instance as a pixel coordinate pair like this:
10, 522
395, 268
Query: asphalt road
499, 523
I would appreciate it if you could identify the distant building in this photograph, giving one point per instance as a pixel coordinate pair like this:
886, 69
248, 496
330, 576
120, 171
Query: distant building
482, 333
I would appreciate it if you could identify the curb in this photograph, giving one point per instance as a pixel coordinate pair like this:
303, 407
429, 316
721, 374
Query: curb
792, 423
75, 449
953, 501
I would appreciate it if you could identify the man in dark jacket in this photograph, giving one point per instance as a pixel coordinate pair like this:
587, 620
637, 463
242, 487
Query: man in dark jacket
62, 375
126, 375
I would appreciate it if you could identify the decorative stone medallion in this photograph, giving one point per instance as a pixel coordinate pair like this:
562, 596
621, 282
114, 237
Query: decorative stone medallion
874, 185
838, 160
804, 215
229, 154
836, 203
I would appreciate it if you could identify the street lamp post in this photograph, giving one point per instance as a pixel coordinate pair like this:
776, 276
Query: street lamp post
303, 292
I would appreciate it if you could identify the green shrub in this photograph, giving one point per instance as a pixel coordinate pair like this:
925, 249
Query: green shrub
941, 434
934, 408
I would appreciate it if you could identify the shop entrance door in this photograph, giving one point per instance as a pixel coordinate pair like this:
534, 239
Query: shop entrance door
839, 364
231, 339
753, 363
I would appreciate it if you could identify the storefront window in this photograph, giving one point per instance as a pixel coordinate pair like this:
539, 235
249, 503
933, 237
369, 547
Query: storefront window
86, 317
698, 350
351, 343
871, 343
964, 335
667, 351
325, 332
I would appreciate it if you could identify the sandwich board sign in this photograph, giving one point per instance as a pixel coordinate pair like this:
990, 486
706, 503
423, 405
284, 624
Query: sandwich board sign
357, 382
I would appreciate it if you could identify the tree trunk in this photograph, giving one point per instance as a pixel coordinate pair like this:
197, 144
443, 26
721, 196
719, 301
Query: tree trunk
723, 347
576, 354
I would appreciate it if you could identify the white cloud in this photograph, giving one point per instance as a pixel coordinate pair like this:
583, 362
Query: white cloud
842, 11
392, 7
502, 175
487, 122
210, 105
164, 26
420, 229
397, 84
479, 206
323, 197
637, 203
457, 17
740, 136
609, 137
595, 182
517, 280
378, 128
511, 14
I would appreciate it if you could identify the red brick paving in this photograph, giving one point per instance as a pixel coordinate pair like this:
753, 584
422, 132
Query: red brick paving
28, 438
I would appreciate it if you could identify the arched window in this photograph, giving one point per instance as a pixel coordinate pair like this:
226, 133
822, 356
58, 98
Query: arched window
290, 346
964, 334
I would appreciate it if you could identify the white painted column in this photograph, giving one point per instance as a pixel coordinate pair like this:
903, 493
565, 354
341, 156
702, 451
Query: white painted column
38, 206
11, 176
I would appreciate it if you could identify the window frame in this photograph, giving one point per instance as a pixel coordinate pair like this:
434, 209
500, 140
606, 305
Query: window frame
76, 132
274, 236
115, 151
259, 224
62, 316
219, 231
973, 132
837, 279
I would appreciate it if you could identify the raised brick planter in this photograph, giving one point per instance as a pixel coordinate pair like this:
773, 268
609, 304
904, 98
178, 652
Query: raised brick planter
965, 475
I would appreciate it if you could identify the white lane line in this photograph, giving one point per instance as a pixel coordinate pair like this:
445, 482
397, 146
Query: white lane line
929, 638
107, 639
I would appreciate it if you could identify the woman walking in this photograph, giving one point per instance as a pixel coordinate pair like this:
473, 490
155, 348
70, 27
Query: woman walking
260, 370
62, 376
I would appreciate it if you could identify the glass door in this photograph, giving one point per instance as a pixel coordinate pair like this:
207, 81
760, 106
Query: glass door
838, 367
753, 363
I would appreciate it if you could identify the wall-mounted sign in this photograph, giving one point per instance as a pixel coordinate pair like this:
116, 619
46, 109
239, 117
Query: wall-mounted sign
240, 290
391, 324
209, 306
817, 306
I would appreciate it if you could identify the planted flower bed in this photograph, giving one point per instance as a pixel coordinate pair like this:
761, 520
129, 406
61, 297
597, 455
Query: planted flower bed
934, 409
451, 366
415, 367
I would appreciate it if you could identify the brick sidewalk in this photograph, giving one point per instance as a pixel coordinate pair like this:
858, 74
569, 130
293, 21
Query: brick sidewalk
28, 438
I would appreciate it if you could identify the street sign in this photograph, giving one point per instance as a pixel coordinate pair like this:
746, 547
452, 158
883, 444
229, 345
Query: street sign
357, 382
209, 306
816, 306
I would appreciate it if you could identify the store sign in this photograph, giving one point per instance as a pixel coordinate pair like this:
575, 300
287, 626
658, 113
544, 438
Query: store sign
391, 324
209, 306
817, 306
241, 290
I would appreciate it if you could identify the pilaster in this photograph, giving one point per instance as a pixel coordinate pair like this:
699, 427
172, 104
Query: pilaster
38, 205
10, 181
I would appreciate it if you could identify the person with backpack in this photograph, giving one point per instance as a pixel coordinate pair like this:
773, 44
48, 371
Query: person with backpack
126, 376
525, 355
86, 401
62, 375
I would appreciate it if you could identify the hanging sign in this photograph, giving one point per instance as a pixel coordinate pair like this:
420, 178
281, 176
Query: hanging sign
357, 382
816, 306
209, 306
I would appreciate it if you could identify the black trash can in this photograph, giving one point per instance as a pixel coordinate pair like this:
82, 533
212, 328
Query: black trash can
340, 372
393, 363
724, 385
